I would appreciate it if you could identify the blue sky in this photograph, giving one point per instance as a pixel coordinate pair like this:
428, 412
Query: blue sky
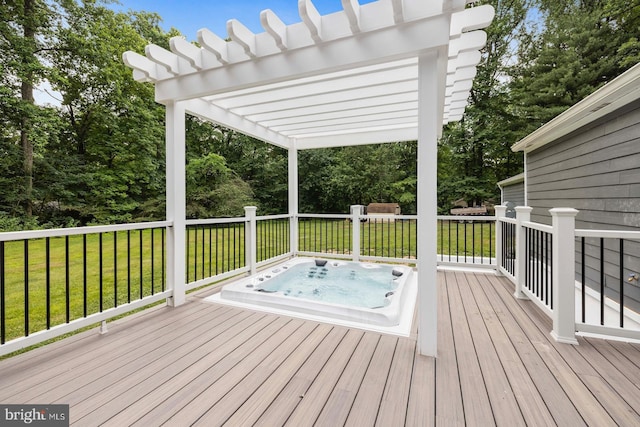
191, 15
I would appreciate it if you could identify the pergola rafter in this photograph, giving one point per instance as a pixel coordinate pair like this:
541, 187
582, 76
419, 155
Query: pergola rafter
390, 70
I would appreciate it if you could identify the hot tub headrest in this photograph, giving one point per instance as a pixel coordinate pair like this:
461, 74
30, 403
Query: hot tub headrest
321, 262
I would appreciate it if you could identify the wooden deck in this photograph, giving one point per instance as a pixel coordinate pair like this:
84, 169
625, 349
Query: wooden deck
207, 364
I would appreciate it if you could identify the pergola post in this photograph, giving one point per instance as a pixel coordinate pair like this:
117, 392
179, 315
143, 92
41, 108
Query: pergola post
176, 201
293, 199
428, 126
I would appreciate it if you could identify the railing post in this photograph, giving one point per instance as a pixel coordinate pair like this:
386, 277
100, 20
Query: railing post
250, 238
501, 212
355, 223
564, 256
523, 214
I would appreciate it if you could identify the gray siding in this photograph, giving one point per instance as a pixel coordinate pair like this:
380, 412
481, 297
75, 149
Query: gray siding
596, 171
513, 195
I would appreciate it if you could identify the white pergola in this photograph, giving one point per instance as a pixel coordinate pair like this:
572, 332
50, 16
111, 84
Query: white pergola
391, 70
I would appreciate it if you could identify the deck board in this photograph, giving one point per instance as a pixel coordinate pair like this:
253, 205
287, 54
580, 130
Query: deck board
449, 411
207, 364
502, 401
529, 401
298, 371
303, 406
475, 399
530, 343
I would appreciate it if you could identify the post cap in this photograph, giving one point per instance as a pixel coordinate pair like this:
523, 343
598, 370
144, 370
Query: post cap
563, 212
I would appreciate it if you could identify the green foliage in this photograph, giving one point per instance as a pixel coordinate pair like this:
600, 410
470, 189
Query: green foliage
332, 179
213, 190
474, 153
583, 46
100, 157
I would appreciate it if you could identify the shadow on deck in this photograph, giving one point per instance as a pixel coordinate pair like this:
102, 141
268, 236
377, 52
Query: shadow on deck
210, 365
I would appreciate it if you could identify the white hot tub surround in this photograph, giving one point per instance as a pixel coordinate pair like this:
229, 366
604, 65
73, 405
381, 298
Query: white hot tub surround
257, 291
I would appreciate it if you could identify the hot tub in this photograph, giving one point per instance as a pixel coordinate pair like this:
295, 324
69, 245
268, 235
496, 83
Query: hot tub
373, 294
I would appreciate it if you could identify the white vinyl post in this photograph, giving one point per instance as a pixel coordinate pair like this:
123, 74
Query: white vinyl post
293, 199
355, 224
523, 214
501, 212
429, 124
176, 202
250, 238
564, 257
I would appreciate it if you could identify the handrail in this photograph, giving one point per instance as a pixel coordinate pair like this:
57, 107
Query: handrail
389, 216
466, 217
61, 232
277, 216
210, 221
327, 216
609, 234
538, 226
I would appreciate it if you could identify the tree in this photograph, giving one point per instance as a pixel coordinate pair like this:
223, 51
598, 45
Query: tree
474, 153
25, 36
113, 144
584, 44
214, 190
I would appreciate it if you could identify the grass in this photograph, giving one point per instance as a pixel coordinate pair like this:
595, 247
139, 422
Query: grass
111, 269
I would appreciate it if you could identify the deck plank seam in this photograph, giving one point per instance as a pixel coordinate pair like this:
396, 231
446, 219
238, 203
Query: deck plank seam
291, 376
72, 365
469, 321
335, 384
320, 370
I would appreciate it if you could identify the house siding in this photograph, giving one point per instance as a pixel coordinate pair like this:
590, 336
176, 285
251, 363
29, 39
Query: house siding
512, 196
597, 171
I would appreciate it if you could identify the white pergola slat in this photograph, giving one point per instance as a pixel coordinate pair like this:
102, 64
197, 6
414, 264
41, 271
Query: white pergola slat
357, 76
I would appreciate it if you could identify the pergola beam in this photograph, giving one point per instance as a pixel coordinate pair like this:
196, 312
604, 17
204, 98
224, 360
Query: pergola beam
331, 98
369, 48
372, 136
213, 113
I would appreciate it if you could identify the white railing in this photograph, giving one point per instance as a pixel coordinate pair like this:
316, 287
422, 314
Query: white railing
467, 240
215, 250
545, 269
97, 272
125, 267
603, 308
462, 240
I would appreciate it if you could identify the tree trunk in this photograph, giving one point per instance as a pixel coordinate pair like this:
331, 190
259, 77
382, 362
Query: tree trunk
27, 97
